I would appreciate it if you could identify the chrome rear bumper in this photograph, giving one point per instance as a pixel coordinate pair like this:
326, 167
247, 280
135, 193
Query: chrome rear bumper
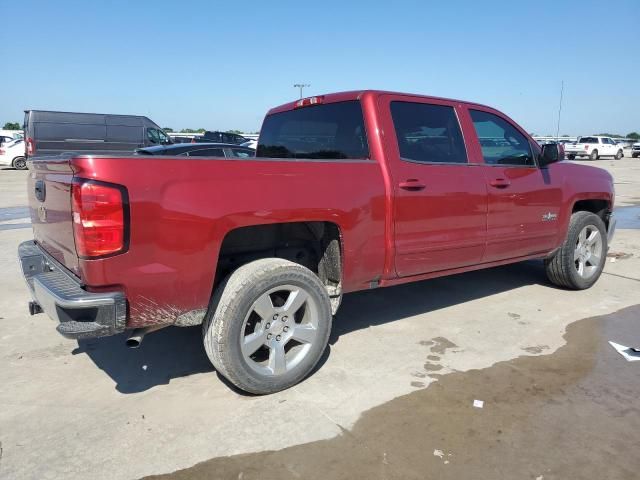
59, 294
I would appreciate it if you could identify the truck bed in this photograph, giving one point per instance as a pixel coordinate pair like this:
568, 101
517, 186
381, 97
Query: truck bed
181, 209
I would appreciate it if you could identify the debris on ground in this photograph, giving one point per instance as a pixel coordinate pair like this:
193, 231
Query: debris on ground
629, 354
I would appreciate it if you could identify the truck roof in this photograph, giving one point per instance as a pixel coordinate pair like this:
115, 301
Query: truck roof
359, 94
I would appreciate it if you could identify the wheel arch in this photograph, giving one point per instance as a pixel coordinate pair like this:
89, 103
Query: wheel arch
600, 206
316, 245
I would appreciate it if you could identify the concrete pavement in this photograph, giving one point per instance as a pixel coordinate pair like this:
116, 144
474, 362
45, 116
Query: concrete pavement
96, 409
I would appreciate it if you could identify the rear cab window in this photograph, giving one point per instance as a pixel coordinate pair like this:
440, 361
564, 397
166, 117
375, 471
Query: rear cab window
330, 131
588, 140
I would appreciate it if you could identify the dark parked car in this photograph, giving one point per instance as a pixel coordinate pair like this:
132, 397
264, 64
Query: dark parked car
228, 150
221, 137
52, 133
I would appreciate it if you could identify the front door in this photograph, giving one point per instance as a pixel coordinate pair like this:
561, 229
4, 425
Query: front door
524, 200
440, 199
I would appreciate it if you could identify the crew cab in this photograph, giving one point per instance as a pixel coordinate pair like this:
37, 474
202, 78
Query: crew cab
594, 147
349, 191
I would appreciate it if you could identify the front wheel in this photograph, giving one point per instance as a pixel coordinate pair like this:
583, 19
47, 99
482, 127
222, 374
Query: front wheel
268, 325
619, 155
20, 163
579, 262
594, 155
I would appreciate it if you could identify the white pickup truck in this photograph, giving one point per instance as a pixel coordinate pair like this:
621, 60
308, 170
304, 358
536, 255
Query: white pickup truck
635, 150
594, 147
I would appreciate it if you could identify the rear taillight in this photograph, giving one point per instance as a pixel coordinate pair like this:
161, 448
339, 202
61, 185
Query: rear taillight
100, 217
586, 147
31, 149
1, 151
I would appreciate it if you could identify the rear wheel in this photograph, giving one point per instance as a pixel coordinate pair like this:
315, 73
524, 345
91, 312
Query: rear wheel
20, 163
619, 155
579, 262
267, 326
594, 155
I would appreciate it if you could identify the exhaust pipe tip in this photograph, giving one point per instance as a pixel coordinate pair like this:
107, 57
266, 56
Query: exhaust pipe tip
135, 339
132, 342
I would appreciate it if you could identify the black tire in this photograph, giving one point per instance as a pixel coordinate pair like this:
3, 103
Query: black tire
594, 155
233, 301
571, 157
561, 268
20, 163
634, 155
619, 155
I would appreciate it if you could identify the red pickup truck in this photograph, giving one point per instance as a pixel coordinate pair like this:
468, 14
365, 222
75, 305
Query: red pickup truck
349, 191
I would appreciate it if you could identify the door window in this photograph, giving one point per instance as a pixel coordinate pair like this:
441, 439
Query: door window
157, 137
501, 142
428, 133
206, 152
242, 153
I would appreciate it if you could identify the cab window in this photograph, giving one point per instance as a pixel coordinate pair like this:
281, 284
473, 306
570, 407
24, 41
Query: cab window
332, 131
501, 142
428, 133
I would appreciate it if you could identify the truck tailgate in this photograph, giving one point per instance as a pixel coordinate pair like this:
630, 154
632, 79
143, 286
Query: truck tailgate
49, 189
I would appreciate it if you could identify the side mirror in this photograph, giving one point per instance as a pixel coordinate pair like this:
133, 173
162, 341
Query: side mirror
551, 153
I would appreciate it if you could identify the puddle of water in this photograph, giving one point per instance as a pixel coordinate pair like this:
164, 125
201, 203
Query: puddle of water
14, 226
571, 414
628, 217
13, 213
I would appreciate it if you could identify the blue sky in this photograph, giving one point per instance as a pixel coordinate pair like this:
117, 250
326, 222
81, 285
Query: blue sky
221, 65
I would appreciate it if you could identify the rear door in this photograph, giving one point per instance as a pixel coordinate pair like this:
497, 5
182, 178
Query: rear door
440, 198
524, 200
610, 145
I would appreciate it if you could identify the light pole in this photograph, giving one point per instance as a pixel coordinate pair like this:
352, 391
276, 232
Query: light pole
559, 111
301, 86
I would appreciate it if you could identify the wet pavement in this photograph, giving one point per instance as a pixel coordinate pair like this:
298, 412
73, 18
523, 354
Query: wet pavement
12, 218
628, 217
571, 414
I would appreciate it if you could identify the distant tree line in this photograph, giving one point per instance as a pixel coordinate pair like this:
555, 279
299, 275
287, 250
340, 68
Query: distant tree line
201, 130
632, 135
12, 126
